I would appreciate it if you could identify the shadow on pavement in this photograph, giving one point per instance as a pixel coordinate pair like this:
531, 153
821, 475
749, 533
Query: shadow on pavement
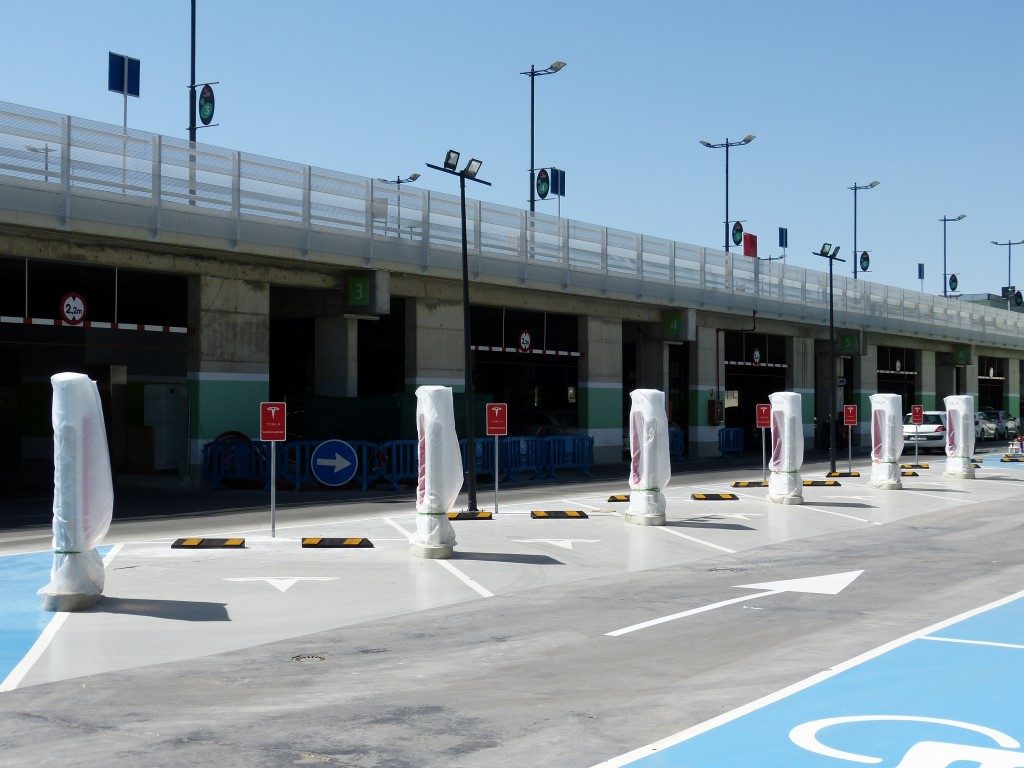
176, 610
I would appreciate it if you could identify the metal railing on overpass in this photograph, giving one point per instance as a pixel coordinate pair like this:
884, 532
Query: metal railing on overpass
79, 175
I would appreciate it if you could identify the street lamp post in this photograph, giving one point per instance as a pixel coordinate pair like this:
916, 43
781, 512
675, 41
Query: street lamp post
944, 220
398, 181
45, 151
832, 256
472, 168
855, 188
1009, 255
533, 74
726, 144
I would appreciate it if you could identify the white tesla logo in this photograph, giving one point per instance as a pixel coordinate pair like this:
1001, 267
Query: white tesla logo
272, 410
923, 754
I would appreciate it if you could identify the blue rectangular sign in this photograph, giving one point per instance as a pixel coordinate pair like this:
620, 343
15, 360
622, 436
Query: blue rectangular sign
116, 81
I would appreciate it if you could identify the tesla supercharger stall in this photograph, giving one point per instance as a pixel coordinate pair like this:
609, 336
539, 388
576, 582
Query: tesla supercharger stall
83, 494
886, 441
959, 436
785, 486
650, 466
440, 474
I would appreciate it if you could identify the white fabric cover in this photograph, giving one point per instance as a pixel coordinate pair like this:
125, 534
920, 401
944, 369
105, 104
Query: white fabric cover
959, 435
650, 466
83, 492
440, 467
785, 486
886, 441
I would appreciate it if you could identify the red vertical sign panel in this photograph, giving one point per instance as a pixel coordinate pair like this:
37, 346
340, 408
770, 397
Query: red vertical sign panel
497, 419
849, 415
917, 414
764, 415
273, 421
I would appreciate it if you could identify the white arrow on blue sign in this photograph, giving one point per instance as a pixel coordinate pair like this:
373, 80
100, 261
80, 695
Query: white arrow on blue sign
334, 462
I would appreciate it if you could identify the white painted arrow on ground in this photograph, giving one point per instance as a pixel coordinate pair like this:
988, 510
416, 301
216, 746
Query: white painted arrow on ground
829, 584
284, 584
563, 543
339, 462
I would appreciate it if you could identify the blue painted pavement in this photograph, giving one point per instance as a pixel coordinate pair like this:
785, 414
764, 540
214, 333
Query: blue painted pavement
21, 616
951, 699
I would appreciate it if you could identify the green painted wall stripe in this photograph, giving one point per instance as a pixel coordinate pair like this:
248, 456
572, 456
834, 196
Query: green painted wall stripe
601, 407
220, 406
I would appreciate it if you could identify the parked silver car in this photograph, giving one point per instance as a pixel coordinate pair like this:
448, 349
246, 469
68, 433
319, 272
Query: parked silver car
984, 427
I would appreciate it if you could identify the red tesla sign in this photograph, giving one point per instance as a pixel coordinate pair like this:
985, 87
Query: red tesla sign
849, 415
917, 414
497, 419
273, 421
764, 415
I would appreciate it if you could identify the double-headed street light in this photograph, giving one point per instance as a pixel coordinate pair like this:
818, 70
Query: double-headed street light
451, 161
855, 189
944, 220
533, 74
726, 144
832, 255
398, 181
1009, 255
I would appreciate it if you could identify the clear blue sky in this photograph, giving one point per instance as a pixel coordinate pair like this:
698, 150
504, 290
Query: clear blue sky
923, 96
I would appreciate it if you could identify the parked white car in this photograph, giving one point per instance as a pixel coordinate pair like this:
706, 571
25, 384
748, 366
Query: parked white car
929, 436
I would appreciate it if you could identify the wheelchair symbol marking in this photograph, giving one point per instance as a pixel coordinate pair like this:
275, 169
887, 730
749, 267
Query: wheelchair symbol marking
924, 754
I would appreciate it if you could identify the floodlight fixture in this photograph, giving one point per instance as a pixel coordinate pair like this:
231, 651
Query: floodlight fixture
748, 138
472, 168
451, 160
555, 66
874, 184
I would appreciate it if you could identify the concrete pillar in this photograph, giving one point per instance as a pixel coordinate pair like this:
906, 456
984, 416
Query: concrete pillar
800, 379
336, 370
434, 345
229, 358
707, 382
970, 375
868, 386
1011, 394
926, 379
600, 386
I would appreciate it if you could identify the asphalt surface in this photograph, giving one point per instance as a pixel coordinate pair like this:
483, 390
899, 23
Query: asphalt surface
530, 677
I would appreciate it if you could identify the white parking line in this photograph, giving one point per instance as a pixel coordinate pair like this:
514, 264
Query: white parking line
479, 589
974, 642
839, 514
696, 540
942, 498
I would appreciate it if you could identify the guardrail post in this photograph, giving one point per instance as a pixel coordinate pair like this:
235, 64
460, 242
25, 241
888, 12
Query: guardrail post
524, 246
156, 184
425, 233
477, 235
236, 192
640, 266
65, 167
604, 259
563, 248
307, 194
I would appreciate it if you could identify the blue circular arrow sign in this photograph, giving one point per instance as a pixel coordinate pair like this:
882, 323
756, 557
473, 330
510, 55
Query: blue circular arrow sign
334, 462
